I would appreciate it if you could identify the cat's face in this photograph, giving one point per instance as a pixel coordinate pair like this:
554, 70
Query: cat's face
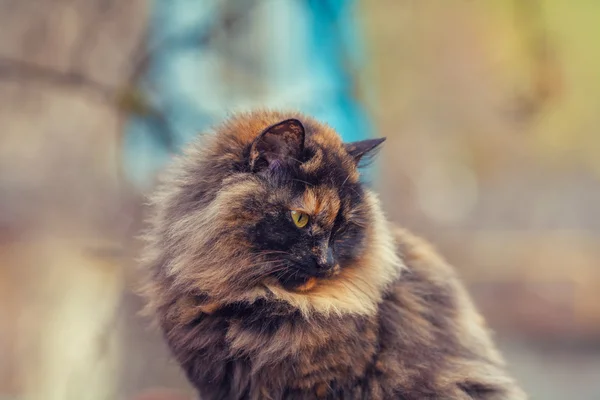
312, 222
314, 219
281, 205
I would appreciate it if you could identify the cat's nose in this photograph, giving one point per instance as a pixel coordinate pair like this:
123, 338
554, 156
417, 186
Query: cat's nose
327, 261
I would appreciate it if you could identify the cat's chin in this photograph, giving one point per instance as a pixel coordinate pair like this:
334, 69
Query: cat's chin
303, 282
298, 282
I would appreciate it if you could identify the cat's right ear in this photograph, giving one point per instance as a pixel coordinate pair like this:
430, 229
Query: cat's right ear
278, 144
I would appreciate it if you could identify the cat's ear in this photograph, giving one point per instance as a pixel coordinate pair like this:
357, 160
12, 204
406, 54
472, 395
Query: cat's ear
363, 149
278, 143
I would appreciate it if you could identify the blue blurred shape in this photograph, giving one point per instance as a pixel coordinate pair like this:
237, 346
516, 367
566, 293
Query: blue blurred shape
209, 58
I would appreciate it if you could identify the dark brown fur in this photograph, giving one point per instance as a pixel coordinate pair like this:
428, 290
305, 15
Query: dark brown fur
389, 321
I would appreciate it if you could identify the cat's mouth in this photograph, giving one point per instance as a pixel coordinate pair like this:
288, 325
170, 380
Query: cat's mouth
300, 279
298, 282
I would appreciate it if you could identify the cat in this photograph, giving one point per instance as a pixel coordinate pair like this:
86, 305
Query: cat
274, 274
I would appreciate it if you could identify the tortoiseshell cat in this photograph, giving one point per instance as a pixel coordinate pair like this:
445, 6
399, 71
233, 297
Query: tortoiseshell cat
274, 275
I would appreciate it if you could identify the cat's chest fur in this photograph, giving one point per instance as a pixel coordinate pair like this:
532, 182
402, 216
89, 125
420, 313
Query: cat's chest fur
264, 351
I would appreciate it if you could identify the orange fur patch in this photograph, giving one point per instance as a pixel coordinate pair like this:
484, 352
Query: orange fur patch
308, 285
314, 163
321, 390
311, 202
322, 204
209, 308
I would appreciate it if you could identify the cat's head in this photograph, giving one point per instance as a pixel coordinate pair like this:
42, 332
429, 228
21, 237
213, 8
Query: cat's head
271, 205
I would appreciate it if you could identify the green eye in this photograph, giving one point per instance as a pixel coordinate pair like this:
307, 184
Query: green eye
300, 218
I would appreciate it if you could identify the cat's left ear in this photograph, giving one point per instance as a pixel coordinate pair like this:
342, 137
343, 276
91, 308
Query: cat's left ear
280, 142
363, 149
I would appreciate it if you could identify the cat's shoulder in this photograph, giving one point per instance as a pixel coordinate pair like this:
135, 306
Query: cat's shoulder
421, 257
430, 290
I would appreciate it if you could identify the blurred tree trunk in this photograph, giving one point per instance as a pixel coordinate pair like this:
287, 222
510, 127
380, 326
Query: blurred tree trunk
61, 65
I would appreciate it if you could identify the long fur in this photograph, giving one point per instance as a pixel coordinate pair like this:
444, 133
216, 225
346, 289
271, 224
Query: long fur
394, 322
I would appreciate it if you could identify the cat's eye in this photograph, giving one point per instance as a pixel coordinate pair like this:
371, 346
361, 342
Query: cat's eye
300, 218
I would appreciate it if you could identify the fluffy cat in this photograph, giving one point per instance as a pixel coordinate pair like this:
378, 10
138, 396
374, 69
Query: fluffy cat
274, 274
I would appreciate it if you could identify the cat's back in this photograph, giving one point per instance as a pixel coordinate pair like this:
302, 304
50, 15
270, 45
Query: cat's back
433, 342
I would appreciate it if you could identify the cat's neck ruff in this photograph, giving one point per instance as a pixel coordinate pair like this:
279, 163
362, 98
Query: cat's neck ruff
359, 288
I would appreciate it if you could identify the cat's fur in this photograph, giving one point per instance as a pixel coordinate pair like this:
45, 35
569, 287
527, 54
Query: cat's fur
251, 309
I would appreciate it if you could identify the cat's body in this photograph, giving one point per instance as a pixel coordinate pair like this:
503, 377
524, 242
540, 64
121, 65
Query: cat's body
344, 307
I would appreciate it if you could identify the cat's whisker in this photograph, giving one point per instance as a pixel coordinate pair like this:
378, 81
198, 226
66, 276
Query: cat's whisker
345, 180
278, 269
272, 251
301, 181
295, 159
354, 289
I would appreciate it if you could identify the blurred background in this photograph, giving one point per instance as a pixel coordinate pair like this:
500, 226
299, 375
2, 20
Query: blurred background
493, 153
